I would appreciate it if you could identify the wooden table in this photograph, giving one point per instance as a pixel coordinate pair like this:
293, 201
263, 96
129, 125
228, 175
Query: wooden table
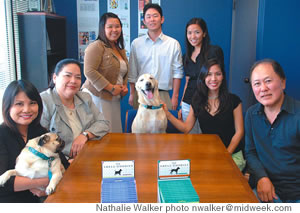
214, 175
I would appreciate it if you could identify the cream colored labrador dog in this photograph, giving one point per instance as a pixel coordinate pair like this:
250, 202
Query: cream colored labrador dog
39, 159
150, 117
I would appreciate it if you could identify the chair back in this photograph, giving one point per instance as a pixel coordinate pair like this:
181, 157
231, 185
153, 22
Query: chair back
130, 115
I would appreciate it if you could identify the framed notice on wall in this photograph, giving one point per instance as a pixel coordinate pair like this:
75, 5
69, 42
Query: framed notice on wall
87, 23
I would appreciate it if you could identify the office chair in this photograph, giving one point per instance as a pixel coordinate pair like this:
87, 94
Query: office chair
130, 115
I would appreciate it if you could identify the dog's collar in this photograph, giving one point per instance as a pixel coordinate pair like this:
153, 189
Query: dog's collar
152, 107
44, 157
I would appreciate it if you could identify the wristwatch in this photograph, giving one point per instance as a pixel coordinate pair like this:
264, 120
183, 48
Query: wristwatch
112, 90
86, 135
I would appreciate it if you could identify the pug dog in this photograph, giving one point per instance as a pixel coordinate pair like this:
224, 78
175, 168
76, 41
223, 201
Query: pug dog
39, 159
150, 117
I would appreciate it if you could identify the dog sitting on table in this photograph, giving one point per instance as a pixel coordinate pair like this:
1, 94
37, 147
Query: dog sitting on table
39, 159
150, 117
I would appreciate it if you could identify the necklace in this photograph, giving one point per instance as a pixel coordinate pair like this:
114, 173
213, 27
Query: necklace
212, 97
69, 111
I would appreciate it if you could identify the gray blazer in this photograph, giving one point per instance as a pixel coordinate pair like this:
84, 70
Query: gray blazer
55, 119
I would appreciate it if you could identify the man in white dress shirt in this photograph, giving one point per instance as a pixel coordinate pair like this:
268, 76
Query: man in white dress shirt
158, 55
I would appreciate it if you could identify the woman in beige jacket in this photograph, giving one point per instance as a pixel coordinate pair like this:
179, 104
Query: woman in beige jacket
106, 69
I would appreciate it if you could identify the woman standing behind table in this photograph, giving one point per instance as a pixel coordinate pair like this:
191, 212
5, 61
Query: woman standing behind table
218, 111
22, 110
198, 50
69, 112
106, 68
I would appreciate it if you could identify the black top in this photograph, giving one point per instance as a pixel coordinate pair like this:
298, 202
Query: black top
222, 123
192, 69
11, 146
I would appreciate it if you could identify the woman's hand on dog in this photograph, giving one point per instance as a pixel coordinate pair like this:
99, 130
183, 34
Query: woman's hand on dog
77, 145
165, 108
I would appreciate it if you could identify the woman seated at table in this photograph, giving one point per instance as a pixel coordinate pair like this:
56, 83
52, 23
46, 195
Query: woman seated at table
217, 111
22, 109
69, 112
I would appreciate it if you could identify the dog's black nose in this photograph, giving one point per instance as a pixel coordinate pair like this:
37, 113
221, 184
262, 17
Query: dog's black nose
148, 85
61, 146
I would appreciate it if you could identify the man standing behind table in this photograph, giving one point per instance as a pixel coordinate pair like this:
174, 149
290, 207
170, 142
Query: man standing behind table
272, 136
156, 54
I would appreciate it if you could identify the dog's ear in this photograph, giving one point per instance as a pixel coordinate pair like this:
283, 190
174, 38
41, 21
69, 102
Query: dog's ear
44, 139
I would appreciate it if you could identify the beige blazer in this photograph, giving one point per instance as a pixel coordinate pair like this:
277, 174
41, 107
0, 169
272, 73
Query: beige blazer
101, 67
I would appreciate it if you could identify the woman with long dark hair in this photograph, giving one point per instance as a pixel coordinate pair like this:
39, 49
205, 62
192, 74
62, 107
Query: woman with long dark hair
218, 111
106, 68
198, 50
21, 110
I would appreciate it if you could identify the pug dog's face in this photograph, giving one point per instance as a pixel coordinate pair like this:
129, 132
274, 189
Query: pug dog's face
146, 85
52, 142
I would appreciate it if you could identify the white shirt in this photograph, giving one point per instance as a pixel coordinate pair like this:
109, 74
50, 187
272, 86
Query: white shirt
123, 71
161, 58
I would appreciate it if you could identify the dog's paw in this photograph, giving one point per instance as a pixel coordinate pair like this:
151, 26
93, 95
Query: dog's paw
49, 190
1, 182
3, 179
